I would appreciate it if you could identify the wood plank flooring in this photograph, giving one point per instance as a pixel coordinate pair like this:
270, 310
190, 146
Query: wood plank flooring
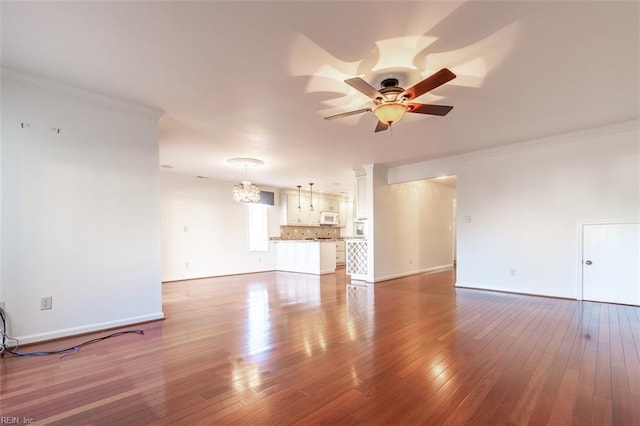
283, 348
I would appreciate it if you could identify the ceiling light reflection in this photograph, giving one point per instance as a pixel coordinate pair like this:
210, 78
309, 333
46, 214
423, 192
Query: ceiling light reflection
307, 347
473, 63
351, 330
439, 370
245, 377
258, 324
322, 342
354, 375
399, 52
323, 64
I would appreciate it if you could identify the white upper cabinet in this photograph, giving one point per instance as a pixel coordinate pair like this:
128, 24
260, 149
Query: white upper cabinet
304, 216
291, 214
295, 215
329, 204
314, 213
343, 213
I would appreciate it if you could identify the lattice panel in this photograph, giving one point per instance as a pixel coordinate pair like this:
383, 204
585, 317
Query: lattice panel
357, 257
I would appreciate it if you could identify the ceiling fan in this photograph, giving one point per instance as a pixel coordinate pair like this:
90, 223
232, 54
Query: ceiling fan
392, 101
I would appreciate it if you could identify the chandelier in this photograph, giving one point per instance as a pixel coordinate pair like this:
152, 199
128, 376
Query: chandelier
246, 192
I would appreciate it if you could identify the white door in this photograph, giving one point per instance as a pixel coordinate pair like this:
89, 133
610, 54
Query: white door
611, 263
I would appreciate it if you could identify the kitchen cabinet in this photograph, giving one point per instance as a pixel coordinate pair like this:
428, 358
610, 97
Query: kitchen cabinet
292, 215
309, 257
304, 216
343, 213
296, 216
323, 204
314, 215
329, 204
340, 252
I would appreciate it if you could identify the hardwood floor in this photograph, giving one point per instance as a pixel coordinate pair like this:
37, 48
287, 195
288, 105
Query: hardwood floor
282, 348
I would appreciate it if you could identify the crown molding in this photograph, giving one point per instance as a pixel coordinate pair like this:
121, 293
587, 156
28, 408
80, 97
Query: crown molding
82, 95
414, 171
563, 138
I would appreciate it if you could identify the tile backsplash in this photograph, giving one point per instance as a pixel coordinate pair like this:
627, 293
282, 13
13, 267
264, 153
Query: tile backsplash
304, 232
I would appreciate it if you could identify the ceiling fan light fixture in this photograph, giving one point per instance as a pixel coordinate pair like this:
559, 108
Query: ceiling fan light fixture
390, 112
392, 101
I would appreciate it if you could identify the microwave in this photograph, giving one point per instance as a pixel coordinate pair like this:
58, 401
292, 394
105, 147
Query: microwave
329, 218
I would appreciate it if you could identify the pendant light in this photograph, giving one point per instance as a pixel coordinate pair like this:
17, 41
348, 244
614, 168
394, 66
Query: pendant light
299, 208
311, 196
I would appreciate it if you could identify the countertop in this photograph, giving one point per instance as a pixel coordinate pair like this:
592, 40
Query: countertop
320, 240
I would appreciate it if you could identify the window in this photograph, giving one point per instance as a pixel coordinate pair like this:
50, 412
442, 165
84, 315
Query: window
258, 227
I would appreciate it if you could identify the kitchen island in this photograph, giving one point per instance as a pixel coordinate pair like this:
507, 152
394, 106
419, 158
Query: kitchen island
306, 256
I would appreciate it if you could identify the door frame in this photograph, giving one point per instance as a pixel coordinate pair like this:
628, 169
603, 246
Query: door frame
580, 257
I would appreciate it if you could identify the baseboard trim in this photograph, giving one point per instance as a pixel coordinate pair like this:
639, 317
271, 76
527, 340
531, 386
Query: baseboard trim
506, 291
176, 279
432, 269
91, 328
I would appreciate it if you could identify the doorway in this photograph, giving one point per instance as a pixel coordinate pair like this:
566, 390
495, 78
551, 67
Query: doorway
610, 266
448, 217
454, 230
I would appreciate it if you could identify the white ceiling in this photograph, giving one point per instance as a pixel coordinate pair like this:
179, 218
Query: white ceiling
254, 79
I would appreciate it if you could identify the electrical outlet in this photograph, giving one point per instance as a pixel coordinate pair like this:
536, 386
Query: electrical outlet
512, 272
46, 303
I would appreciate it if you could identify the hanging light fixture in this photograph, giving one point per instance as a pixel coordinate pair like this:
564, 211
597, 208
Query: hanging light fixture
390, 112
299, 208
246, 192
311, 196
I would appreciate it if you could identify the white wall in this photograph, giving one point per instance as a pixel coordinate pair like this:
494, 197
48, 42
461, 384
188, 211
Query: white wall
205, 233
413, 228
526, 202
80, 218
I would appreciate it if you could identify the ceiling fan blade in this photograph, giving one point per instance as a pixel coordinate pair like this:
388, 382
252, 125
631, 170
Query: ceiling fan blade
364, 87
381, 126
430, 109
428, 84
346, 114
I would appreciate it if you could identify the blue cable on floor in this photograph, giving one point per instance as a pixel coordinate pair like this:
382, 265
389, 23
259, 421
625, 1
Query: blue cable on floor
4, 347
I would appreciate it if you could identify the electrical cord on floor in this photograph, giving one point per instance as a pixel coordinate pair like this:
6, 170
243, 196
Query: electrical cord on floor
4, 347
